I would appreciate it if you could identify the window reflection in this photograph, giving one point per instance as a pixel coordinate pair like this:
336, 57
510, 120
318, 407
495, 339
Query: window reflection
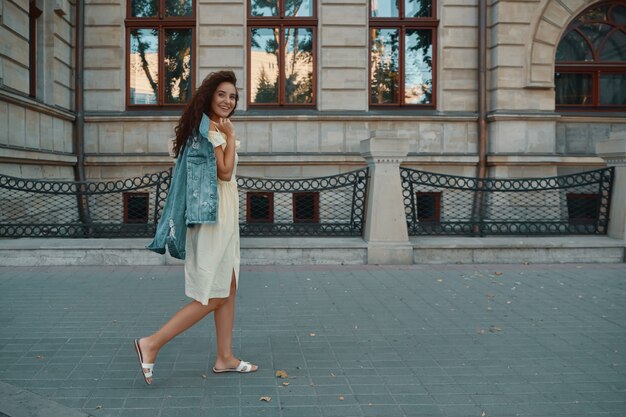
418, 8
573, 48
144, 8
418, 61
615, 48
298, 65
613, 89
384, 8
264, 7
618, 14
178, 7
264, 65
595, 33
595, 13
177, 65
301, 8
144, 67
573, 88
384, 66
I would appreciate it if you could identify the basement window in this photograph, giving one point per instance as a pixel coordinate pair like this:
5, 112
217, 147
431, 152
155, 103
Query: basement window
306, 207
136, 207
582, 208
428, 205
259, 207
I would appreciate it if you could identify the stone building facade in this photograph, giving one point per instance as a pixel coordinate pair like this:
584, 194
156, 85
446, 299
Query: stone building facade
527, 135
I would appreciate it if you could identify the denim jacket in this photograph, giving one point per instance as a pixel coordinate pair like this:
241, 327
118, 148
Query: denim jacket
192, 196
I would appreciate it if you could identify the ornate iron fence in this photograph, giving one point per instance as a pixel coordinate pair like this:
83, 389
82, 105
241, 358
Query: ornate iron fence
124, 208
324, 206
437, 204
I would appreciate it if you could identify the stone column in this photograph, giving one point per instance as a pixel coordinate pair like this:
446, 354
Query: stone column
385, 225
613, 151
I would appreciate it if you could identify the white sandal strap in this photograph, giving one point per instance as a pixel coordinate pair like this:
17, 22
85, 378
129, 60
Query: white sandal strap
244, 366
149, 367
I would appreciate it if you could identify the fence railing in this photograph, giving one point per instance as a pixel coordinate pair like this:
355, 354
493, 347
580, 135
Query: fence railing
437, 204
107, 209
325, 206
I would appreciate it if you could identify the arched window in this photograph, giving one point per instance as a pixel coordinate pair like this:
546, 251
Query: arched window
591, 60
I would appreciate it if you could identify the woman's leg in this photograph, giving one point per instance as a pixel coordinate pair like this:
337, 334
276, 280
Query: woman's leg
224, 322
181, 321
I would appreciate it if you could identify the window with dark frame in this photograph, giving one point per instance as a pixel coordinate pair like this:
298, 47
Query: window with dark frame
282, 53
403, 38
583, 208
160, 39
306, 207
33, 14
428, 205
590, 72
136, 207
259, 207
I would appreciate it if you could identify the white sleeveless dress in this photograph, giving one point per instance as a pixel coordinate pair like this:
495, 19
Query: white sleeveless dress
213, 249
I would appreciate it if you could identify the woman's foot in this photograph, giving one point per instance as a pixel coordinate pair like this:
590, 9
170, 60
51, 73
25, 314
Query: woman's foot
147, 355
233, 364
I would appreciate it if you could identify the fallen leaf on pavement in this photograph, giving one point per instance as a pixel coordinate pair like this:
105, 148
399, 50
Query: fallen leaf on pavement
39, 357
341, 398
498, 273
285, 383
494, 329
312, 334
98, 407
204, 376
266, 399
282, 374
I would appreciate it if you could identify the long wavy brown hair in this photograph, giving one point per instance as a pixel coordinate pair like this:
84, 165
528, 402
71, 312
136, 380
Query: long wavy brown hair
201, 103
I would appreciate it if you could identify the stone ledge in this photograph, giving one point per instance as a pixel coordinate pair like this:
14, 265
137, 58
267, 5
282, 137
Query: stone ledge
316, 251
571, 249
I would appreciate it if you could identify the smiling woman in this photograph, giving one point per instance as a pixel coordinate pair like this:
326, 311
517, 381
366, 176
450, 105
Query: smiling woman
212, 248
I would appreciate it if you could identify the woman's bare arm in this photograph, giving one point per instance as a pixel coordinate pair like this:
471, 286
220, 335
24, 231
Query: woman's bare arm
225, 159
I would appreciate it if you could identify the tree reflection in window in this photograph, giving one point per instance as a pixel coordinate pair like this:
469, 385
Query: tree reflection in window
177, 65
144, 68
160, 45
401, 52
384, 61
281, 55
298, 65
144, 8
264, 65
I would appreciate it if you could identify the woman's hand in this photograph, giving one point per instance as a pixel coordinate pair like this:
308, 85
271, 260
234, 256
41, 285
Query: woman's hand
226, 127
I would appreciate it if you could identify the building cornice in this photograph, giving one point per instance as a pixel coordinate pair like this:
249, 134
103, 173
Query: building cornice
37, 106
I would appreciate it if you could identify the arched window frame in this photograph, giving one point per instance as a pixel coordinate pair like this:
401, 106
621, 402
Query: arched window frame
593, 69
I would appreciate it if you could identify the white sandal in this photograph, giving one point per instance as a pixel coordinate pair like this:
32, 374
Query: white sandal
243, 367
148, 366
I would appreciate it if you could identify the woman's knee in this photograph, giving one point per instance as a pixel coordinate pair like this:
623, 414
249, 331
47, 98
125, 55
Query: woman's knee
218, 302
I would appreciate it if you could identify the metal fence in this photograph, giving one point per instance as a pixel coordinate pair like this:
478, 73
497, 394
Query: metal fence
124, 208
437, 204
326, 206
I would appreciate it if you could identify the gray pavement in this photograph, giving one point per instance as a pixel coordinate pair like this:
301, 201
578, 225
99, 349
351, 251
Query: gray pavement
423, 340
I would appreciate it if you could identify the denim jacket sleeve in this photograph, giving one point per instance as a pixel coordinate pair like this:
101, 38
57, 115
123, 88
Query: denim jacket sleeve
192, 197
171, 230
202, 197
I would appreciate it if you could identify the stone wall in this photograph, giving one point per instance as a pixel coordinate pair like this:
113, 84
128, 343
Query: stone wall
36, 134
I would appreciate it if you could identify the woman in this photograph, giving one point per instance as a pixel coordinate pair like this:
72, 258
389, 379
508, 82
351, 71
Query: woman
212, 250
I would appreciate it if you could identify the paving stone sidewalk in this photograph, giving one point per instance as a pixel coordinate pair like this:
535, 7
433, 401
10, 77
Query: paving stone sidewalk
415, 341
